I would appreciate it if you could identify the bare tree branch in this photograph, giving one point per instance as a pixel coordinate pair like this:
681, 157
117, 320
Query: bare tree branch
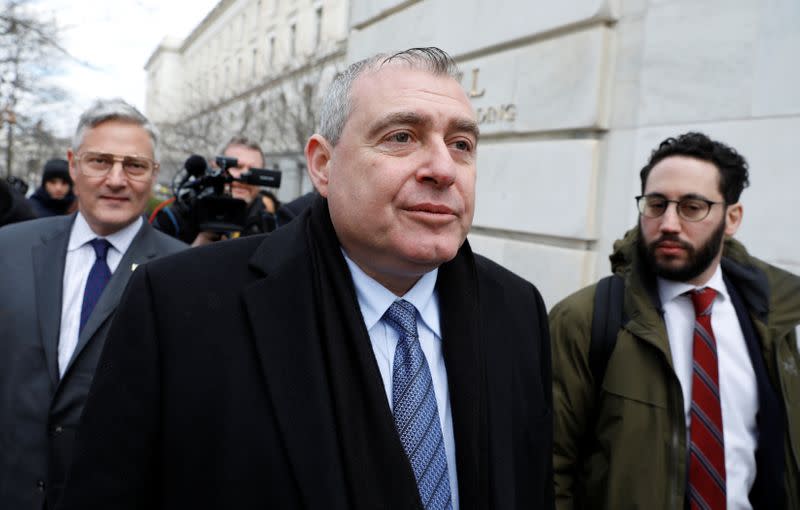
29, 56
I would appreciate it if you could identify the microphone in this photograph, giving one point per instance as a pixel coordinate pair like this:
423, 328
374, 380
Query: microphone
196, 165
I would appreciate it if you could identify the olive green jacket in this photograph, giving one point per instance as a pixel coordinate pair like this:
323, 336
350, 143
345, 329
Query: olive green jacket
625, 446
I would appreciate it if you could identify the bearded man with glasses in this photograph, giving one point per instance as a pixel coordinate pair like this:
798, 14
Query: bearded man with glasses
61, 279
679, 389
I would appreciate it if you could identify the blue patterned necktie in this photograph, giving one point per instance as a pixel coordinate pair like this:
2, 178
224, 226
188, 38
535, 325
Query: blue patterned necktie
416, 416
98, 278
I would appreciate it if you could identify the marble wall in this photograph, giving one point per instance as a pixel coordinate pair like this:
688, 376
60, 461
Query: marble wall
726, 68
573, 96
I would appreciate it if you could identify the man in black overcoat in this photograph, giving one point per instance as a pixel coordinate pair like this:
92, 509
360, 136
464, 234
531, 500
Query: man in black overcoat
360, 357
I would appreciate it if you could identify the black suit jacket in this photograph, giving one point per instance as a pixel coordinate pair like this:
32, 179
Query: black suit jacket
39, 411
212, 392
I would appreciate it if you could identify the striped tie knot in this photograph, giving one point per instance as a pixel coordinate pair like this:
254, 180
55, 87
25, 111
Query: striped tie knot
402, 316
703, 300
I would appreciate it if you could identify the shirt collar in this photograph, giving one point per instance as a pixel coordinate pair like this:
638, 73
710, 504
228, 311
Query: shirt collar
669, 290
82, 233
374, 299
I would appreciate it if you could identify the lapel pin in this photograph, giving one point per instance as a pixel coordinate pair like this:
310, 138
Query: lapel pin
133, 267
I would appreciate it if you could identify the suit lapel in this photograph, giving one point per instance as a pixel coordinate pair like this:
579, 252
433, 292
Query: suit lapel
286, 337
458, 298
142, 249
48, 272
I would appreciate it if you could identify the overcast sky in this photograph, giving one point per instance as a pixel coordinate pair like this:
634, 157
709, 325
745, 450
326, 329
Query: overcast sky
115, 38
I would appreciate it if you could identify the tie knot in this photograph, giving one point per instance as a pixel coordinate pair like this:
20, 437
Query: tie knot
402, 316
100, 247
702, 299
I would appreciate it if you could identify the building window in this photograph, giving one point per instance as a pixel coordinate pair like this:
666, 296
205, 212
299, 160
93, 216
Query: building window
293, 39
318, 27
271, 51
257, 17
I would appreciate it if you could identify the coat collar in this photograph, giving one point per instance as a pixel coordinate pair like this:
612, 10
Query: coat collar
294, 369
48, 271
287, 341
461, 336
763, 288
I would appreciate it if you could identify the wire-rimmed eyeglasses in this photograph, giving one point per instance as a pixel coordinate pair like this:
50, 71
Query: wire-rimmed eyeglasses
688, 208
98, 164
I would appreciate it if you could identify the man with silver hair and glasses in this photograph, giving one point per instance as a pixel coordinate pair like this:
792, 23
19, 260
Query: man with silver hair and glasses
360, 357
61, 280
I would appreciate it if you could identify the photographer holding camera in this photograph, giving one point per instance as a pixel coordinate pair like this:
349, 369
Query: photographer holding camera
240, 155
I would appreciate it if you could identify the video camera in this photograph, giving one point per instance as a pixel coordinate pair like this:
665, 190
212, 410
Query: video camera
18, 184
203, 197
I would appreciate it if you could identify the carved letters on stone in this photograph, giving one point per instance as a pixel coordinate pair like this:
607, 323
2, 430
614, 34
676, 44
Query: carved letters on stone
489, 114
493, 114
474, 90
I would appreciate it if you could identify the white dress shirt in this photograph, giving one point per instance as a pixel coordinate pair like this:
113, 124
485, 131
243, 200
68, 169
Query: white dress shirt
797, 336
79, 261
374, 299
737, 379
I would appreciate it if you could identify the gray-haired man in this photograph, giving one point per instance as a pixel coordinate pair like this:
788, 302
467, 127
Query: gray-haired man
360, 357
61, 280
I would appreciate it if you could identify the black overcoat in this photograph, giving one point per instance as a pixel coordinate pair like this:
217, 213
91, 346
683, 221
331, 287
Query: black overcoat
214, 391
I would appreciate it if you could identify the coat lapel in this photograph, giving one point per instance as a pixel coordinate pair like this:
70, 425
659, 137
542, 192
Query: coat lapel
142, 249
287, 340
465, 373
48, 272
643, 308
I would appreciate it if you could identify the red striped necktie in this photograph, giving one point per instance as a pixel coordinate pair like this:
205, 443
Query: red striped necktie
707, 449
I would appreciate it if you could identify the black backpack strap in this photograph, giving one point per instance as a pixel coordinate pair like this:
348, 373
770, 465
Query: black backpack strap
607, 319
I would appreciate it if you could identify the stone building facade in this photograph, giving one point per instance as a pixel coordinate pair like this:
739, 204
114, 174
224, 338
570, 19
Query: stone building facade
572, 97
251, 66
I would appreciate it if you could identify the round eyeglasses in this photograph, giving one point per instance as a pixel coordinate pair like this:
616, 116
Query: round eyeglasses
689, 208
98, 164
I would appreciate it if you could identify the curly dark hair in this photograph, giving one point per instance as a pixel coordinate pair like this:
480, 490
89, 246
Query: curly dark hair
733, 168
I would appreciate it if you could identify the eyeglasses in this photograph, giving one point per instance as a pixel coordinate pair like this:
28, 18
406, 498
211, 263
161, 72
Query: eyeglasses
98, 164
689, 208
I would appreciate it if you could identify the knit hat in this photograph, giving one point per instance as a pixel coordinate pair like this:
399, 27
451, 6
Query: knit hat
56, 168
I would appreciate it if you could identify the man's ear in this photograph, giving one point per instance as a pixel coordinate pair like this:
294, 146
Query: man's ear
733, 218
319, 153
73, 172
